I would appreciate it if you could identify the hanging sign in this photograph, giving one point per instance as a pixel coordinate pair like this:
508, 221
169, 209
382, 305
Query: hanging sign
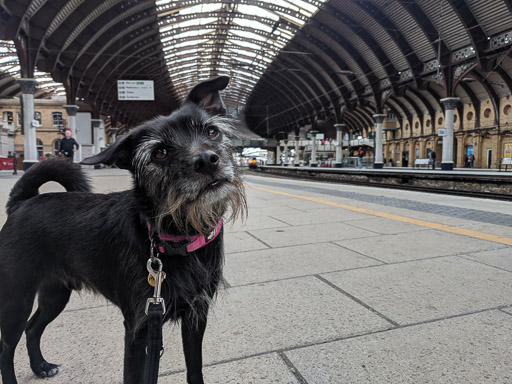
137, 90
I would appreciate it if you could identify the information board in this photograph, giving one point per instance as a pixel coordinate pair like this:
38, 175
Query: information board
138, 90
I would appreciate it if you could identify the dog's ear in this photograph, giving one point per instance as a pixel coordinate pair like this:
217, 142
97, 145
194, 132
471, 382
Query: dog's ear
119, 153
207, 96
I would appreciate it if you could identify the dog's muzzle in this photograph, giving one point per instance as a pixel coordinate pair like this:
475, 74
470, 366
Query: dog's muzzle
206, 162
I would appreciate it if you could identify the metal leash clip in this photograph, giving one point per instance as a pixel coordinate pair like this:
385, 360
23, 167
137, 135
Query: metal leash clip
158, 277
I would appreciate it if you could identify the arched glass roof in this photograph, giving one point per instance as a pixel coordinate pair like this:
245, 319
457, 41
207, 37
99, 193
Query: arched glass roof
10, 67
204, 39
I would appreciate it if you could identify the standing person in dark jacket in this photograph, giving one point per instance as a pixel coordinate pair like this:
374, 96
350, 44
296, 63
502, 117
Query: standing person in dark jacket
433, 158
68, 146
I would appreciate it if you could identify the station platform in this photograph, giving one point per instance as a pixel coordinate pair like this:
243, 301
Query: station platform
474, 182
327, 283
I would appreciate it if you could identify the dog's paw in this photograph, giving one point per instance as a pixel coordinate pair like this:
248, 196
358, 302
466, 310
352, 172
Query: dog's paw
46, 369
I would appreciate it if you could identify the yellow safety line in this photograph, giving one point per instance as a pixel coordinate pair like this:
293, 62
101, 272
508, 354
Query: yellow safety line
422, 223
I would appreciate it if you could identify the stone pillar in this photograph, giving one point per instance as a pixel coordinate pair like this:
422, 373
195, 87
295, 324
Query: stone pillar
313, 162
379, 161
278, 153
96, 125
460, 152
402, 149
423, 151
286, 159
339, 144
28, 87
297, 151
113, 135
71, 110
447, 160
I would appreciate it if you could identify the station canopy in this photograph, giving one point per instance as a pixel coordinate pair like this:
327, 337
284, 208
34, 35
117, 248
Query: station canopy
293, 63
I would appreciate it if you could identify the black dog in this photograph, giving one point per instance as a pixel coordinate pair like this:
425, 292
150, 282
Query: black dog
184, 182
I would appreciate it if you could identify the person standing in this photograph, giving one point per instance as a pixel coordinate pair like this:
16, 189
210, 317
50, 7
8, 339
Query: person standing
68, 146
14, 163
360, 155
471, 161
433, 158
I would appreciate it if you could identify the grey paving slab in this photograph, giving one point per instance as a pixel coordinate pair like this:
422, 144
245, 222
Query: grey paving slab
264, 199
501, 258
254, 222
84, 300
385, 226
282, 263
240, 242
267, 317
418, 245
427, 289
475, 349
89, 345
272, 210
507, 310
267, 369
320, 216
305, 205
245, 321
315, 233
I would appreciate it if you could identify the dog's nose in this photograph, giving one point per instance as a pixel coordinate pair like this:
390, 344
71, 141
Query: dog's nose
206, 162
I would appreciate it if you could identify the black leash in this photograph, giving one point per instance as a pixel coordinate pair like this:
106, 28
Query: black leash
155, 310
155, 344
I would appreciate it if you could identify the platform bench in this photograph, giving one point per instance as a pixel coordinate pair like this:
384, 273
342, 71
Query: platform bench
506, 161
419, 162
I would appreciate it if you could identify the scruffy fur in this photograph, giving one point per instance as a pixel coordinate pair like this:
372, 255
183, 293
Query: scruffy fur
51, 244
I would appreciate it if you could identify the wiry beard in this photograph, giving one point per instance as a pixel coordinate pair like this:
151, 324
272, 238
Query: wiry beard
203, 213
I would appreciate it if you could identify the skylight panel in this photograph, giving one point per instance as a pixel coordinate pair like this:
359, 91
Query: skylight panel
247, 34
185, 44
252, 24
199, 8
257, 11
232, 43
292, 19
188, 23
245, 44
199, 32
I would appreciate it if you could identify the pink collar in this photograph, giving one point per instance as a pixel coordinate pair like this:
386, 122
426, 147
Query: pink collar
194, 243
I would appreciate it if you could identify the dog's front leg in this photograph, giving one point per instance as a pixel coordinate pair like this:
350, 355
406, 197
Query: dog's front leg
192, 335
134, 355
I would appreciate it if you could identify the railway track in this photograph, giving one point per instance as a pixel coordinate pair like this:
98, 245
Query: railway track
317, 176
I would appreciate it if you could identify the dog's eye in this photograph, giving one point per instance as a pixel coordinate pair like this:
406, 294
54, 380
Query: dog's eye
160, 153
212, 133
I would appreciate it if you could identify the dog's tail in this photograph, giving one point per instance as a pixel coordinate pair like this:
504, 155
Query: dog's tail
67, 174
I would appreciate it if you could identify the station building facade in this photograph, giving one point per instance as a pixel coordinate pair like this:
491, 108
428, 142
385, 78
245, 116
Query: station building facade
51, 120
488, 138
50, 116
